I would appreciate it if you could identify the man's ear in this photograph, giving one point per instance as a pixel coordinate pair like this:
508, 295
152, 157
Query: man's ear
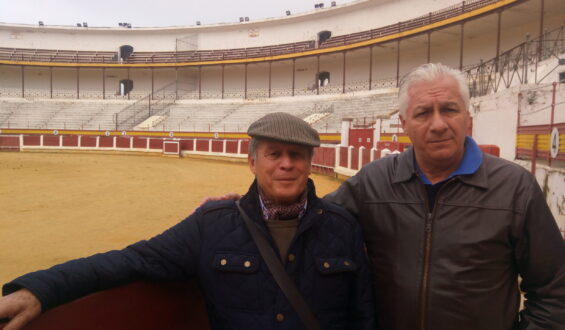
251, 162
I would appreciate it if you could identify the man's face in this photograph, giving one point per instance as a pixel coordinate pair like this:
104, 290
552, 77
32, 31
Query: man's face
281, 170
436, 121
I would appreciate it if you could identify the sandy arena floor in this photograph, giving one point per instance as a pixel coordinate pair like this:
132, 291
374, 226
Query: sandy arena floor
59, 206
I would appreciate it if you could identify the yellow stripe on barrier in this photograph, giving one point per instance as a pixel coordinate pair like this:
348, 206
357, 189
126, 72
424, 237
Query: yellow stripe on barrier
429, 27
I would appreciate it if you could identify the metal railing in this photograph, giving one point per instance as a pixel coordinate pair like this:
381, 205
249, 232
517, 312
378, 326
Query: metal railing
68, 56
513, 66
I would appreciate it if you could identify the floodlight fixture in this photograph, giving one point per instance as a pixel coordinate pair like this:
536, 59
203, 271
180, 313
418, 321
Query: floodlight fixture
246, 19
79, 25
84, 24
333, 3
197, 22
40, 23
321, 5
288, 13
317, 5
241, 19
129, 25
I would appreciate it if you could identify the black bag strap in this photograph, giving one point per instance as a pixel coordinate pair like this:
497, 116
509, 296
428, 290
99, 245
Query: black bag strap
279, 274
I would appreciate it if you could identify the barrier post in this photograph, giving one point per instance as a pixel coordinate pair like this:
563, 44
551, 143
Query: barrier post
360, 157
337, 155
349, 151
41, 140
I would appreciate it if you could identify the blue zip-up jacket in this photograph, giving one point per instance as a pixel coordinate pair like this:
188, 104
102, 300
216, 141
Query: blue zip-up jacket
327, 263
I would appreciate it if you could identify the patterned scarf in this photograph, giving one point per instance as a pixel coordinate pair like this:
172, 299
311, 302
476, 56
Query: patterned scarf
272, 211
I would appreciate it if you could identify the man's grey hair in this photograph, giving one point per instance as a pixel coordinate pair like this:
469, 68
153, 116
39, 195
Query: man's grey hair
427, 73
254, 143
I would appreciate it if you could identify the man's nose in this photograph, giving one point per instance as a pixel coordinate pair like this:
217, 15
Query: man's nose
437, 121
286, 161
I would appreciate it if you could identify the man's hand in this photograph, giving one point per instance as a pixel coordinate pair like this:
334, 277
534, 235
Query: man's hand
234, 196
20, 307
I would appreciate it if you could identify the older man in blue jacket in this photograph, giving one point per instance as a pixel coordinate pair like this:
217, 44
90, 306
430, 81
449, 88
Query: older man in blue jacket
319, 244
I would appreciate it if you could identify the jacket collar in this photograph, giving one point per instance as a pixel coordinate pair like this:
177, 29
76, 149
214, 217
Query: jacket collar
250, 202
406, 170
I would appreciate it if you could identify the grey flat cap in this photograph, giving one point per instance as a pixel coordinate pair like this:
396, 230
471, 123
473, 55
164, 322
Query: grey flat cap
284, 127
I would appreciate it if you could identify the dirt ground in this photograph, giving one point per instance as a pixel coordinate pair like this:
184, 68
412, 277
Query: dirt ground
59, 206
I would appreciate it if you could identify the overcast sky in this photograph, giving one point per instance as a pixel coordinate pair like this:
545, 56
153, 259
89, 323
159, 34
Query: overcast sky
148, 13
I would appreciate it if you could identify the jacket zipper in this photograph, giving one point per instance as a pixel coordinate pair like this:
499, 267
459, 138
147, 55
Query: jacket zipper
425, 273
427, 251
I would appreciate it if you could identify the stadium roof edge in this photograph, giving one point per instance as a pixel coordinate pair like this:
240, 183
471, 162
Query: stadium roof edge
305, 16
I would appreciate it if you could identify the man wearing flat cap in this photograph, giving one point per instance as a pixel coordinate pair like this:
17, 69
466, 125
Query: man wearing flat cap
319, 245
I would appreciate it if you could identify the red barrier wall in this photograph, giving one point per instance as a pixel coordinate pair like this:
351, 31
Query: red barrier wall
202, 145
244, 147
376, 154
140, 143
366, 156
362, 137
355, 158
217, 146
343, 156
88, 141
139, 305
106, 142
50, 141
70, 140
187, 145
324, 156
10, 143
231, 147
32, 140
171, 147
122, 142
155, 144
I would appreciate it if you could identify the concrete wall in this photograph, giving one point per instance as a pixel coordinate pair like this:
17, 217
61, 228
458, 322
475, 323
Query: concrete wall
360, 15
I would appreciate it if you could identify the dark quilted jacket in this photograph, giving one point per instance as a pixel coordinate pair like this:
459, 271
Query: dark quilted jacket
329, 268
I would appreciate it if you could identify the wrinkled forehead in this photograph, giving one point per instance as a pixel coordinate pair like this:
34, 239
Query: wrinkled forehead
442, 90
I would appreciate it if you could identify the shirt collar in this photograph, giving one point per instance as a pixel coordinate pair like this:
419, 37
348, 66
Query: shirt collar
472, 159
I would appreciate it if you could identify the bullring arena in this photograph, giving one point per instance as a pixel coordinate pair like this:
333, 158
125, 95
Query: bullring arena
113, 134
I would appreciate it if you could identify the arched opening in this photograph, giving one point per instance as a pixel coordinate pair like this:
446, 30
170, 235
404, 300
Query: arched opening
323, 36
126, 85
323, 78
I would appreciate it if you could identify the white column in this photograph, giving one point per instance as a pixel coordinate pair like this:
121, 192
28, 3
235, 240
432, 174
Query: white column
349, 150
41, 140
79, 141
210, 145
345, 125
98, 142
337, 155
239, 146
360, 164
131, 142
225, 145
377, 133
